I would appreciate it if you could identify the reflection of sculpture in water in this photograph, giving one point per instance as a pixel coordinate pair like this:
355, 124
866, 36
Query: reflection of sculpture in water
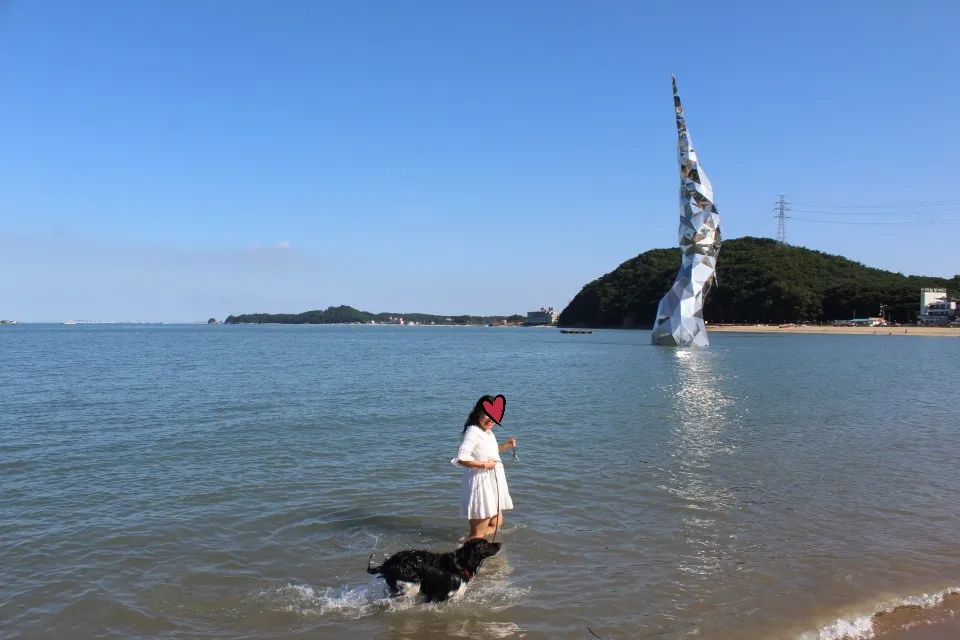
700, 418
679, 321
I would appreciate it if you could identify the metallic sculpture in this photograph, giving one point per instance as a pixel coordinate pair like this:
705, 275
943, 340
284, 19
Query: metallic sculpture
679, 321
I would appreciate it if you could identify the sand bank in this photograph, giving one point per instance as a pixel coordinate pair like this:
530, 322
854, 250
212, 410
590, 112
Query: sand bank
912, 622
859, 331
931, 616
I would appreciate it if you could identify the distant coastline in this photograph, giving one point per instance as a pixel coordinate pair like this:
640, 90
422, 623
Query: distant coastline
380, 324
349, 315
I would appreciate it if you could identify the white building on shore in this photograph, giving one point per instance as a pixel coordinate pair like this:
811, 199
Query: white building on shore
545, 315
936, 307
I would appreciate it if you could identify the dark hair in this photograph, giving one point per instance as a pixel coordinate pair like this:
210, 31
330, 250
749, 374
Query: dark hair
474, 417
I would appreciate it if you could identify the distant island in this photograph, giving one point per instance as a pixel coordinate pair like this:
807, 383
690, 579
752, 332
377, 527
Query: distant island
348, 315
758, 282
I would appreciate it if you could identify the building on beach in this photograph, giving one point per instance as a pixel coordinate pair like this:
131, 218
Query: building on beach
543, 316
936, 306
859, 322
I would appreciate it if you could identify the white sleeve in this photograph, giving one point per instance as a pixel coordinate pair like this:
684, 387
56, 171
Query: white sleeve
468, 445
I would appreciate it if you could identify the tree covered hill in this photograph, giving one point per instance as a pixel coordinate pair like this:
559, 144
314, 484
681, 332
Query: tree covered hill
757, 283
348, 315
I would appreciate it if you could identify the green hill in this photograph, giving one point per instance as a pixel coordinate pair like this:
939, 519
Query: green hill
757, 282
348, 315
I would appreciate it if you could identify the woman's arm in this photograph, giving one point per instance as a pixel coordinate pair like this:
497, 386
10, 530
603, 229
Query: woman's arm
512, 442
476, 464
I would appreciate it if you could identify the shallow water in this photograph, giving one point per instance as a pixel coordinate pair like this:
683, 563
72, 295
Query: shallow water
231, 481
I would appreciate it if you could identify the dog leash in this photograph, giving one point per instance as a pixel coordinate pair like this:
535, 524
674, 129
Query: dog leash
496, 477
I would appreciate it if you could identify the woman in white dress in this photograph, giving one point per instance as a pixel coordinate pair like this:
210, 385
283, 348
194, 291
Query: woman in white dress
483, 490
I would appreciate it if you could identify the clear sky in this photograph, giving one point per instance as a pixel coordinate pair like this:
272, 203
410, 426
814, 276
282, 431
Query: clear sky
180, 160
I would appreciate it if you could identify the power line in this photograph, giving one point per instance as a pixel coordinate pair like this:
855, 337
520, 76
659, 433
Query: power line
782, 207
880, 213
880, 206
880, 222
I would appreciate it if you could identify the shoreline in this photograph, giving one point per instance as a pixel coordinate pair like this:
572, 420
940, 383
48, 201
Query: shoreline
919, 621
858, 331
921, 616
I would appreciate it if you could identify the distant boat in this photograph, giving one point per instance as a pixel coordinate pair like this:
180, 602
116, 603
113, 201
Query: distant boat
70, 322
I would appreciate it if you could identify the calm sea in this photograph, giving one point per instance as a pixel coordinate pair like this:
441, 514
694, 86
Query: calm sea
231, 481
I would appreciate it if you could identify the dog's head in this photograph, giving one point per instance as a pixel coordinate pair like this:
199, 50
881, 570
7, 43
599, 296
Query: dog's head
475, 551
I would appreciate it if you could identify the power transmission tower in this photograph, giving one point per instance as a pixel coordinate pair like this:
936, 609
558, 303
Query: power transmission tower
781, 222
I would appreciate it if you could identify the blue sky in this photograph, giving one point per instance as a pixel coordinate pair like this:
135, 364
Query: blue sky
180, 160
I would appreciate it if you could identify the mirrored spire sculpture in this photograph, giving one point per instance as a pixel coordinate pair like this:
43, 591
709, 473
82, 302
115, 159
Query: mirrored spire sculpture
679, 321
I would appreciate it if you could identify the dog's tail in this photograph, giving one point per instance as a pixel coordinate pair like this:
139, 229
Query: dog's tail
370, 568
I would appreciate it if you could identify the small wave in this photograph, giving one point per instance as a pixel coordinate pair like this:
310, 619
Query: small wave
348, 603
895, 614
354, 602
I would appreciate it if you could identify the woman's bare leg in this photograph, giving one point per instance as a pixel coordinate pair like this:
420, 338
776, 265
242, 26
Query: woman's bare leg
485, 527
493, 524
478, 528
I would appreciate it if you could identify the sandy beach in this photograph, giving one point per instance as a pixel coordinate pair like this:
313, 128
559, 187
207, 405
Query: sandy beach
912, 622
912, 330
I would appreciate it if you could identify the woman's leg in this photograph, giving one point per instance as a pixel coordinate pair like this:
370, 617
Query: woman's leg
493, 524
483, 527
478, 528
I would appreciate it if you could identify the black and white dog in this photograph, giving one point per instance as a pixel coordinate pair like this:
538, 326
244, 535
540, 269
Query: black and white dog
440, 575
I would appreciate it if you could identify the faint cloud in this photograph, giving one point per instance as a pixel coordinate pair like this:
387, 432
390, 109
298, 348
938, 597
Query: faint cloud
257, 245
74, 275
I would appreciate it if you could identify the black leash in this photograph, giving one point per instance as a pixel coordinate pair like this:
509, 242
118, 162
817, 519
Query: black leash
496, 528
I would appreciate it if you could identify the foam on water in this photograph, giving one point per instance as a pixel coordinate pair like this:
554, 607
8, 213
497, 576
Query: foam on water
842, 629
861, 627
355, 602
345, 602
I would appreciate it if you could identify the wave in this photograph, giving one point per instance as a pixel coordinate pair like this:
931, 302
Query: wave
491, 592
890, 616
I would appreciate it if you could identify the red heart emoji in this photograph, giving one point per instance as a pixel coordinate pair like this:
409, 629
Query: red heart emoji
496, 408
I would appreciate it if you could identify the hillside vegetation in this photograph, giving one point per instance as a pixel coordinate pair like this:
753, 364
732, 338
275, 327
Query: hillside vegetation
757, 283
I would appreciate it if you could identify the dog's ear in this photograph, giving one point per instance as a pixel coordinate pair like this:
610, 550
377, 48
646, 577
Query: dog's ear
472, 545
473, 555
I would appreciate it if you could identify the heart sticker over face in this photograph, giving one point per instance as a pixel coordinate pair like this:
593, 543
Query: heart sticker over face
496, 408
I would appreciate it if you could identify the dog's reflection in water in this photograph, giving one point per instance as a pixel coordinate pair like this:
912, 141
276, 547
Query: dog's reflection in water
438, 576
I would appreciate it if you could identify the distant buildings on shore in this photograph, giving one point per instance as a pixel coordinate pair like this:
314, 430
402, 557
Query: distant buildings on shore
860, 322
937, 307
543, 316
398, 320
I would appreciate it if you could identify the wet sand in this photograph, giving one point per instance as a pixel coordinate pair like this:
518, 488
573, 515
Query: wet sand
949, 630
864, 331
912, 622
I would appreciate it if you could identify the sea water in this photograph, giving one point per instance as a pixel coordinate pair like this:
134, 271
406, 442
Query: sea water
231, 481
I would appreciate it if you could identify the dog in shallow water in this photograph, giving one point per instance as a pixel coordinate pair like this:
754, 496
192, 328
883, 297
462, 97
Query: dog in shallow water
440, 575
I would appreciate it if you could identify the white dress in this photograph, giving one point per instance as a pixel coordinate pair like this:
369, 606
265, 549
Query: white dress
480, 488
